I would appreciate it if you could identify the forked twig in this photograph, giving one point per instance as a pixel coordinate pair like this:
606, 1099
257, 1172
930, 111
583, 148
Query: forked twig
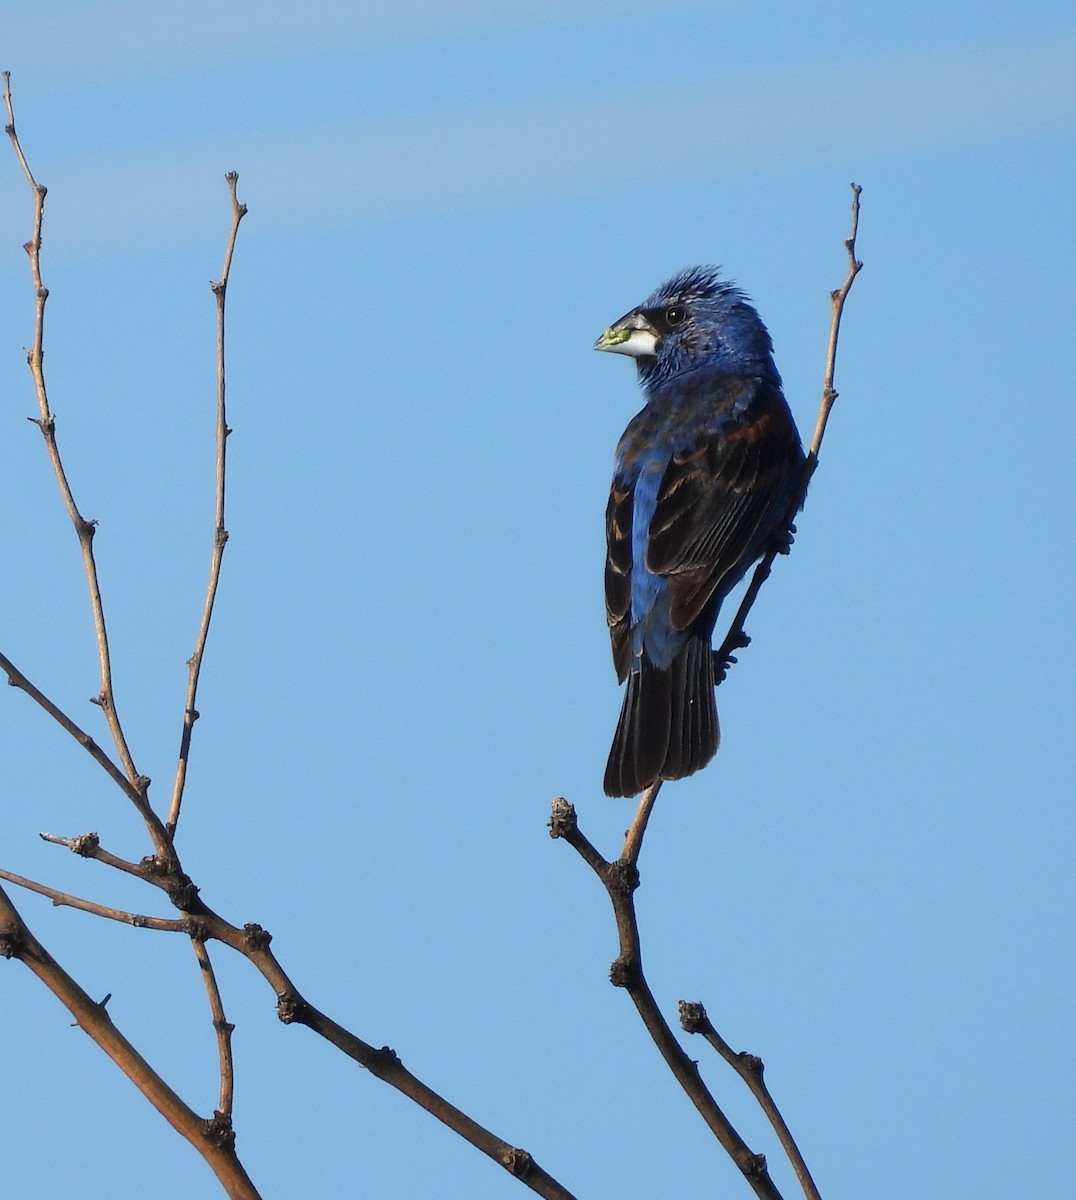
214, 1138
253, 942
46, 422
220, 534
621, 878
16, 941
749, 1067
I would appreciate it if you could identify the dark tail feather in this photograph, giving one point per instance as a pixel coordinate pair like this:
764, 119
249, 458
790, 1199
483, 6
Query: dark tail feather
668, 724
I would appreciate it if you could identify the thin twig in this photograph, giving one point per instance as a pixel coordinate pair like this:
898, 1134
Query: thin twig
251, 941
292, 1007
87, 845
135, 790
46, 422
16, 941
693, 1019
220, 534
222, 1028
620, 880
837, 299
214, 1138
66, 900
633, 839
736, 638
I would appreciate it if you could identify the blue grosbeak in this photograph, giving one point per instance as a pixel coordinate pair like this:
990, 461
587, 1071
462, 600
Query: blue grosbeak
703, 480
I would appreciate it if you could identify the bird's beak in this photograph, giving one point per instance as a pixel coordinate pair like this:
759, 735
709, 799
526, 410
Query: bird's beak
633, 335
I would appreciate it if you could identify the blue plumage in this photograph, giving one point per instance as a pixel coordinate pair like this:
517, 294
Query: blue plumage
703, 479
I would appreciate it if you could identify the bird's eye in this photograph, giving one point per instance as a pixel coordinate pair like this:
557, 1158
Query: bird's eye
675, 315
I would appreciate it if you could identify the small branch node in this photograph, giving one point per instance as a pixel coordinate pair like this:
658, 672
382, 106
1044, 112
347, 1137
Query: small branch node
624, 972
11, 944
219, 1131
183, 893
562, 820
518, 1162
196, 929
386, 1058
753, 1165
693, 1018
290, 1007
752, 1064
256, 938
622, 878
85, 845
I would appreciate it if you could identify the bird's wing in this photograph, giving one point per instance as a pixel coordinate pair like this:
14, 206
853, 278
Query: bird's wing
618, 523
719, 502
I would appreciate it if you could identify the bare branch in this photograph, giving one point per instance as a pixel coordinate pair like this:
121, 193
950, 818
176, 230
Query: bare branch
134, 790
252, 941
213, 1138
633, 839
736, 638
87, 845
223, 1031
65, 900
293, 1008
620, 880
220, 535
837, 299
386, 1065
16, 941
46, 422
749, 1067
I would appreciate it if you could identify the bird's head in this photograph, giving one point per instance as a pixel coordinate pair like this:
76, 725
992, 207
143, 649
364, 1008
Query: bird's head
693, 320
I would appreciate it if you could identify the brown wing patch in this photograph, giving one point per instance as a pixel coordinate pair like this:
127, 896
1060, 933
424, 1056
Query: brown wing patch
618, 525
718, 504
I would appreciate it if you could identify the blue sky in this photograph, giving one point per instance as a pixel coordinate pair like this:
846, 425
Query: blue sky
871, 886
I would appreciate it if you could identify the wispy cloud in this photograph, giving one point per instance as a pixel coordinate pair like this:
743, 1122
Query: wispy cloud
577, 145
129, 39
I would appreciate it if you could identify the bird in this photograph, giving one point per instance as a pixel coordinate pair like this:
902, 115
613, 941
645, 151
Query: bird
704, 478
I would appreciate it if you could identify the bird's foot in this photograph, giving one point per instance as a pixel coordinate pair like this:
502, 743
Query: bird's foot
781, 541
723, 659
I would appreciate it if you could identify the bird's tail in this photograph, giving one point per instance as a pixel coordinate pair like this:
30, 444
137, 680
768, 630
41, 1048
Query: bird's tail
668, 725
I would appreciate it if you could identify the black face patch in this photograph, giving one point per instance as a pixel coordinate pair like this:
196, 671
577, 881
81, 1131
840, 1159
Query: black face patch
667, 318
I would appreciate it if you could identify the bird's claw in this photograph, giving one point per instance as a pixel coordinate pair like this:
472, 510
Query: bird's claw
722, 661
781, 541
